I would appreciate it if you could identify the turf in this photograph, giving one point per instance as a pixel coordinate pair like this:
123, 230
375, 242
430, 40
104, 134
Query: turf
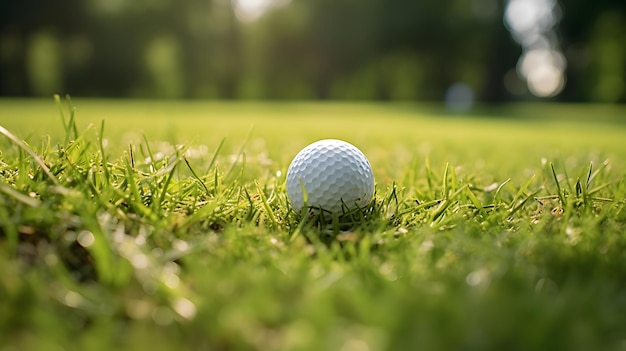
130, 224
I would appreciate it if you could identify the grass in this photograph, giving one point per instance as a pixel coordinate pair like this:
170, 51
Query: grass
136, 224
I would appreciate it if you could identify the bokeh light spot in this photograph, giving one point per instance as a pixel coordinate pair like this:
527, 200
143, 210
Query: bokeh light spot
72, 299
163, 316
543, 70
184, 307
459, 97
545, 81
85, 238
542, 64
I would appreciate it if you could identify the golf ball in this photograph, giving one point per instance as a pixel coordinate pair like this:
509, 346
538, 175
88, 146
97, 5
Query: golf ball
334, 175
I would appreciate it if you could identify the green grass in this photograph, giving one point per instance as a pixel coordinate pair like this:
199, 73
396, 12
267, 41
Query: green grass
165, 225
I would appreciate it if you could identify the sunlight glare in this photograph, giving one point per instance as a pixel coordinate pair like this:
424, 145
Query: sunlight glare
252, 10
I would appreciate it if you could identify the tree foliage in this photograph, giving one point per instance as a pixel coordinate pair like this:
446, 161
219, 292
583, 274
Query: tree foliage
348, 49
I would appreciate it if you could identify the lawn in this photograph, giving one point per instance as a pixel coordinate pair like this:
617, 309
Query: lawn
165, 225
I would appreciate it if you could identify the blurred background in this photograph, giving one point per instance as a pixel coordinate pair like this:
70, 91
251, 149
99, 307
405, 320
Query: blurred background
459, 51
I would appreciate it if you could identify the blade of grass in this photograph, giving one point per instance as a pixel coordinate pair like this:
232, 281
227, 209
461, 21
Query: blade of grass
239, 154
131, 155
214, 158
522, 202
32, 154
195, 176
453, 179
474, 200
72, 122
137, 204
443, 206
603, 186
45, 146
588, 182
57, 100
266, 206
216, 181
595, 173
568, 182
445, 182
558, 186
149, 151
251, 209
105, 166
521, 191
496, 196
25, 199
166, 184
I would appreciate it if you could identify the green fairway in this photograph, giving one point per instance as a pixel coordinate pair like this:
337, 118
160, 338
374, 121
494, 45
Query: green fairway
393, 136
165, 225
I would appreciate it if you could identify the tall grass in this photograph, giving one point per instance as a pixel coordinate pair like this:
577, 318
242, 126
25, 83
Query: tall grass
483, 233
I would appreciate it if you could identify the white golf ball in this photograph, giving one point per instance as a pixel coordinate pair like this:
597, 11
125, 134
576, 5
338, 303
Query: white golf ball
335, 175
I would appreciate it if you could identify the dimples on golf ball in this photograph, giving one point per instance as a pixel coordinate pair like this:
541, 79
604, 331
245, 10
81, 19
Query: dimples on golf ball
334, 174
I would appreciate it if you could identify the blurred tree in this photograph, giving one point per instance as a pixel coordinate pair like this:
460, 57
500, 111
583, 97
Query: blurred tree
19, 22
44, 63
592, 36
298, 49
